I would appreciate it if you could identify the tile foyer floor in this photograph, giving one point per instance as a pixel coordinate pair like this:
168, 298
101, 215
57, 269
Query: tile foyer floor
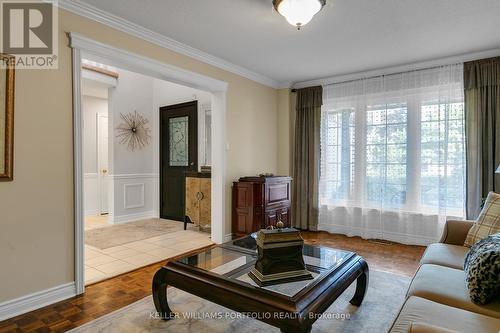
113, 261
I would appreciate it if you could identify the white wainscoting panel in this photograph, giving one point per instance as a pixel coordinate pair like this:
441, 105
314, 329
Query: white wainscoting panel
134, 197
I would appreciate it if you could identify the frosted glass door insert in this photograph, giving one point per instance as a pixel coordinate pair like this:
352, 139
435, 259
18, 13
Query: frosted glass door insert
179, 143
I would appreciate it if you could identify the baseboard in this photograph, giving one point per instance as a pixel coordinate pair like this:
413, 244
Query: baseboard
36, 300
228, 238
133, 217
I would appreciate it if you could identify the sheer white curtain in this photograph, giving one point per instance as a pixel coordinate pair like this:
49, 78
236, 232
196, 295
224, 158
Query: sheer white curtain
392, 155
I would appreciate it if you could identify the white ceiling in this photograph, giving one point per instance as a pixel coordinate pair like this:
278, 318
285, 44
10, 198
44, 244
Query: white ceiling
347, 36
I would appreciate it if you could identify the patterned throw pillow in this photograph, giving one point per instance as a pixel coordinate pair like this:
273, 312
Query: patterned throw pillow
488, 221
482, 270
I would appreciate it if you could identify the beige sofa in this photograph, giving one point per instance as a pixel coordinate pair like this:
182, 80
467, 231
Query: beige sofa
438, 299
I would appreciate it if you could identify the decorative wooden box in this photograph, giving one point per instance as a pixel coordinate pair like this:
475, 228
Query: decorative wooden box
279, 258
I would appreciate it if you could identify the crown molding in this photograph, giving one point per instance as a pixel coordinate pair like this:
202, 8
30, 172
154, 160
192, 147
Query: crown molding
113, 21
455, 59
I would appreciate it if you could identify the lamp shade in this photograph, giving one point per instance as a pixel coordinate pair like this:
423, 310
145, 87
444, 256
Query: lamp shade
298, 12
498, 169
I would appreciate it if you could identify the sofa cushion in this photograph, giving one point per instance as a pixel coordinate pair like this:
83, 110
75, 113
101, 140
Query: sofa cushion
417, 309
482, 270
446, 285
488, 222
445, 255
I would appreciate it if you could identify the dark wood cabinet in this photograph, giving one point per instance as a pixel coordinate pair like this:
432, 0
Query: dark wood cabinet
260, 202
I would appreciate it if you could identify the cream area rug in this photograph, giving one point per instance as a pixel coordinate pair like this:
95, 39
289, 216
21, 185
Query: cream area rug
384, 298
119, 234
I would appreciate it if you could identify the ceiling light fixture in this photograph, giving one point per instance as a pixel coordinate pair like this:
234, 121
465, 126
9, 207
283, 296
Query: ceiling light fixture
298, 12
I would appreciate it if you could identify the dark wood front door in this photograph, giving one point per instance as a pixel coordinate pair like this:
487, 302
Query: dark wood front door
178, 154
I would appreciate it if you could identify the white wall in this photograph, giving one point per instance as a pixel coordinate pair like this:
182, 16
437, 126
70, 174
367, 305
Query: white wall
135, 175
131, 173
91, 106
167, 93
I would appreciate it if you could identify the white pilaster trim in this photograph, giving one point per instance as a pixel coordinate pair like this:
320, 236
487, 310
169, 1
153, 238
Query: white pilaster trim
110, 20
78, 171
36, 300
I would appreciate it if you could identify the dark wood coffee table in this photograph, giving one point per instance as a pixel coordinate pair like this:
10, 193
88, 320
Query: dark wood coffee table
220, 276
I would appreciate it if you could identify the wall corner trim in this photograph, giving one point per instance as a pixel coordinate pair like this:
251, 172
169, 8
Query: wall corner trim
113, 21
36, 300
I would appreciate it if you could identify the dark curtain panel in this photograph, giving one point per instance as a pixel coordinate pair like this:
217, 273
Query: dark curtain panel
306, 158
482, 127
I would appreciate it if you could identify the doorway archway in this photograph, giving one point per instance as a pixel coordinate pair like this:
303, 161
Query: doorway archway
83, 47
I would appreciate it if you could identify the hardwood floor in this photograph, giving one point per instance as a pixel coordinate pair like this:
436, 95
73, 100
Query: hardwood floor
380, 255
110, 295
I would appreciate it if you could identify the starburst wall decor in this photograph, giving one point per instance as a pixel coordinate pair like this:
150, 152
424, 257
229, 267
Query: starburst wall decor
134, 131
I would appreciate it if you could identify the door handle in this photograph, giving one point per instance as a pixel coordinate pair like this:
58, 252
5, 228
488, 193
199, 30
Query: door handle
104, 171
192, 163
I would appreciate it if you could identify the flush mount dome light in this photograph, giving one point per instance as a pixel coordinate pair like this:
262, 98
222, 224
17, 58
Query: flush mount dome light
298, 12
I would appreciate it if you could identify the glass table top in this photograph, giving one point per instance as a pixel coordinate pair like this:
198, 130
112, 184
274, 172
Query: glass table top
233, 260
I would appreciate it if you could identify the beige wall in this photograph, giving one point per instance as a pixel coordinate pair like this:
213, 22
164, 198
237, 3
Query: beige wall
36, 209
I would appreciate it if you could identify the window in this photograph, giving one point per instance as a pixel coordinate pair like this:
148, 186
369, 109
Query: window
338, 169
386, 154
443, 156
393, 146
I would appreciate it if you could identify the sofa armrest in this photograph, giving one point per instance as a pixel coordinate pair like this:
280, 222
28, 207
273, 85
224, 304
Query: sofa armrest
455, 231
426, 328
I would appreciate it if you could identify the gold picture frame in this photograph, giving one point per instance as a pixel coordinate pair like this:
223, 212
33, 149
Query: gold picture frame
7, 79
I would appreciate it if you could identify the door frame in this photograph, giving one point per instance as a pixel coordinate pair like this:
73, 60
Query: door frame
99, 166
92, 50
193, 123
